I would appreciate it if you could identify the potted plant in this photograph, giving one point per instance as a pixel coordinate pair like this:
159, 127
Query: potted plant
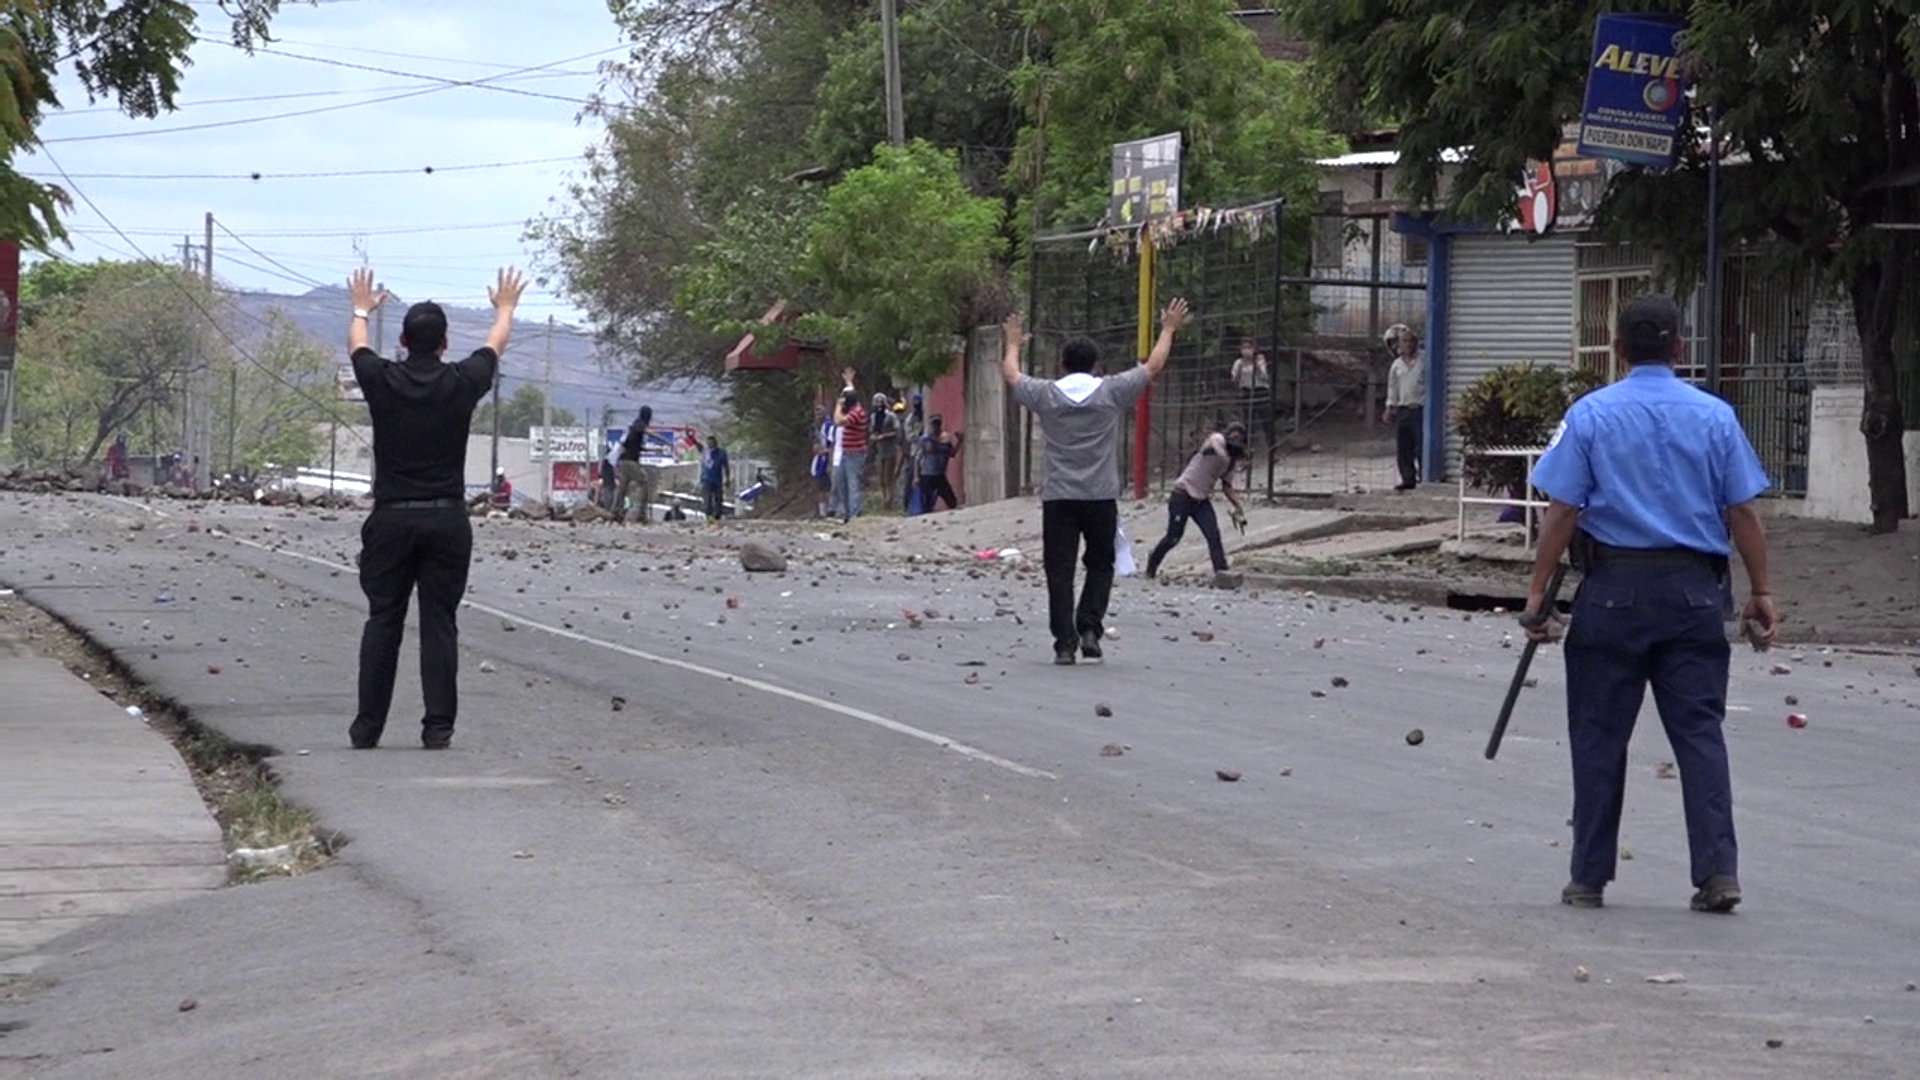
1516, 405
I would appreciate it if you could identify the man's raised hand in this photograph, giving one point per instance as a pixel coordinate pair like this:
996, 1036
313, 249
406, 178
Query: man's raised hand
1176, 314
504, 294
365, 296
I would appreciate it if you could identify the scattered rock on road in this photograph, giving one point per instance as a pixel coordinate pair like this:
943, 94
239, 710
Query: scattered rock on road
1103, 709
1667, 979
1231, 776
619, 703
1416, 737
758, 558
1112, 749
1581, 974
1340, 682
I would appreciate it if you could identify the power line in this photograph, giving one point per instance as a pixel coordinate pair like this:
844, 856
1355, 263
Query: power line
428, 170
297, 276
485, 84
396, 230
296, 95
442, 85
396, 55
193, 299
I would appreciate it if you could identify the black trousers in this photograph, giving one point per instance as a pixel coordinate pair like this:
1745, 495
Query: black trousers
401, 551
937, 487
715, 501
1182, 507
1408, 427
1064, 525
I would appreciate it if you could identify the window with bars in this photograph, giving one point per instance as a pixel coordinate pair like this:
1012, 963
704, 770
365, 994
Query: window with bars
1597, 306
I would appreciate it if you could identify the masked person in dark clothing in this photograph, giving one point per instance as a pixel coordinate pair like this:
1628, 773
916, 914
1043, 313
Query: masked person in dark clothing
633, 475
418, 535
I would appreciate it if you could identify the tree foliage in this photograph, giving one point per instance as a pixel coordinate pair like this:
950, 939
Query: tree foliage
741, 168
1818, 109
107, 350
523, 410
276, 400
882, 266
1107, 71
132, 53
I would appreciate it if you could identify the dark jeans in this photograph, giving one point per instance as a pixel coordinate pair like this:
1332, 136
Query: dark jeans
937, 487
402, 550
1635, 625
1408, 427
1064, 525
716, 504
1180, 507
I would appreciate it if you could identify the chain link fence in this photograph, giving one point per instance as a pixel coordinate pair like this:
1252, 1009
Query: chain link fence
1288, 348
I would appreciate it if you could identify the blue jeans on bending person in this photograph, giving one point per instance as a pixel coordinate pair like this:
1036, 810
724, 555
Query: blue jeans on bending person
1182, 507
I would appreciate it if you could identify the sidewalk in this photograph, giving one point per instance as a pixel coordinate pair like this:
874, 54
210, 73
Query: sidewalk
98, 814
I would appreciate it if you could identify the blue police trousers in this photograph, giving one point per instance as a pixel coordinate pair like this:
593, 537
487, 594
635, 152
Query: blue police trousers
1636, 625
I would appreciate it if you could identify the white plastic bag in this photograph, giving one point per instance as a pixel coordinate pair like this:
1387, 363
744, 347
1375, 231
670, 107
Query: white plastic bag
1123, 564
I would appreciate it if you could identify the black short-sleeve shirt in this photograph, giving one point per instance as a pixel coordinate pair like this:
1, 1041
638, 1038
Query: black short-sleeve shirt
422, 409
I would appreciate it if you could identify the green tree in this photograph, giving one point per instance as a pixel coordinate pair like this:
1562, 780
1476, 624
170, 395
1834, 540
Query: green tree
132, 52
523, 411
956, 60
112, 345
882, 267
276, 404
1107, 71
1818, 112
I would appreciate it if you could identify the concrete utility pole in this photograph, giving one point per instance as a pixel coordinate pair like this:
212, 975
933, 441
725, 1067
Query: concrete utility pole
380, 321
896, 106
546, 422
203, 391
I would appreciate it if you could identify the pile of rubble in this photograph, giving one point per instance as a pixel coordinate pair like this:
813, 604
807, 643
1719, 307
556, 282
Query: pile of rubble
93, 479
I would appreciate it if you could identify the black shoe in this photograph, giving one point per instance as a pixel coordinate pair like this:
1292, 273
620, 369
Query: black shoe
1720, 895
1583, 896
364, 736
1405, 487
436, 738
1063, 657
1090, 644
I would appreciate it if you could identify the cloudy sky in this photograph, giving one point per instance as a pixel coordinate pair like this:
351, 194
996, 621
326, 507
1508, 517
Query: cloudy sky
357, 87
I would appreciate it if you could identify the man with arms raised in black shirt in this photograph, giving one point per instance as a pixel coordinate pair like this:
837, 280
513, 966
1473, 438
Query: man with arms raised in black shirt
418, 535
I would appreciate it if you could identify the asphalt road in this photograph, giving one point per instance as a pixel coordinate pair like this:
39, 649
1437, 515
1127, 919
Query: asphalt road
821, 841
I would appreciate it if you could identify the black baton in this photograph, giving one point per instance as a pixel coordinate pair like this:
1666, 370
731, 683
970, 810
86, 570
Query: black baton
1530, 620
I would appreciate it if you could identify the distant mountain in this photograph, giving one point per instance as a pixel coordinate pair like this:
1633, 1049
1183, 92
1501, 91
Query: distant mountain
580, 382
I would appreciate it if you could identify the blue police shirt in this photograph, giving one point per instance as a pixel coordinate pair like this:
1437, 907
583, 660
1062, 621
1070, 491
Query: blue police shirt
1652, 462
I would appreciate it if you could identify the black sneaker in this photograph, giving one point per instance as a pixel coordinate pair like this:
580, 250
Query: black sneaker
1063, 657
1090, 645
1583, 896
436, 738
1720, 895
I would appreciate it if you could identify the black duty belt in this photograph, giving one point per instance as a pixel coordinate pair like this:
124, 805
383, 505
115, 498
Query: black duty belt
1669, 556
420, 504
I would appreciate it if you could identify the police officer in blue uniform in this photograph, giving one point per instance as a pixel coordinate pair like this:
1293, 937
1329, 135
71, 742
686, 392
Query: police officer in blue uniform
1652, 482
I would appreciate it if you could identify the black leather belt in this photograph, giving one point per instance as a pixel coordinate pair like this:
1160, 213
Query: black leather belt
420, 504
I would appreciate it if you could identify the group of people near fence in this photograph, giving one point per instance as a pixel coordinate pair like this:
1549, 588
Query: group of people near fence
891, 447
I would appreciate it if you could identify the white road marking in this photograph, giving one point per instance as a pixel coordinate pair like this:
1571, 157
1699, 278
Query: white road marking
761, 685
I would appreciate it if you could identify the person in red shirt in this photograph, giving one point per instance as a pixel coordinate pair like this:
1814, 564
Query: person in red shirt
850, 456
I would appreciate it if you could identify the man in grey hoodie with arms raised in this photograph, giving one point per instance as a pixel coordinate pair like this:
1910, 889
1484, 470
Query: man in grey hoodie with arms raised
1080, 415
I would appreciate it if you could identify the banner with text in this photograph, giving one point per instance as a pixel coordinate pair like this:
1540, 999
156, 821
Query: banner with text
560, 444
1636, 95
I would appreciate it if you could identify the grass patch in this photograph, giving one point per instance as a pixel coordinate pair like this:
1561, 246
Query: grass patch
1328, 568
266, 836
